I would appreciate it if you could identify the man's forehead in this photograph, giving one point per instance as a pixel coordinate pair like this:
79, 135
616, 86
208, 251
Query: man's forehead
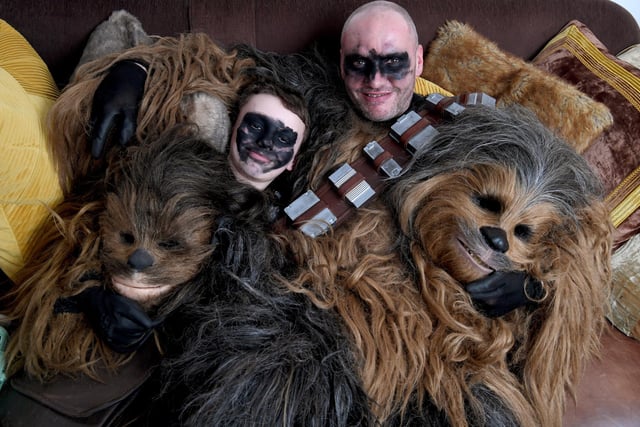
363, 41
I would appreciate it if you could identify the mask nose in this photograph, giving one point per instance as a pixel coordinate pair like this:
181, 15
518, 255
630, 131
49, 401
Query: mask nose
140, 259
496, 238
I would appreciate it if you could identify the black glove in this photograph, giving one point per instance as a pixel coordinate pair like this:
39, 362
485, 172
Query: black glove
116, 103
503, 291
119, 321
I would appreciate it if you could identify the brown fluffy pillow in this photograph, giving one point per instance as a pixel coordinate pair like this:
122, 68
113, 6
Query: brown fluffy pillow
461, 61
577, 56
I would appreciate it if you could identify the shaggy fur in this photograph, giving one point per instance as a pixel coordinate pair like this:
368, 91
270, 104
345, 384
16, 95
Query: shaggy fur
250, 353
179, 67
157, 200
396, 272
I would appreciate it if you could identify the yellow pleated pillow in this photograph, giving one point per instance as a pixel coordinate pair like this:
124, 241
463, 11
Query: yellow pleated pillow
425, 87
28, 180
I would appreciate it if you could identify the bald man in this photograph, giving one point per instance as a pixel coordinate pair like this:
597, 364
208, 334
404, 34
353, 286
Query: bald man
380, 59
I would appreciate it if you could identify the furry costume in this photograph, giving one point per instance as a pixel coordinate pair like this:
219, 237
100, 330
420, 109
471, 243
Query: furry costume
404, 339
396, 274
233, 338
144, 230
248, 352
180, 68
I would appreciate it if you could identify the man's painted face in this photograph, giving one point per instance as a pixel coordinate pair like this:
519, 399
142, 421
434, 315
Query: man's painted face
265, 139
379, 62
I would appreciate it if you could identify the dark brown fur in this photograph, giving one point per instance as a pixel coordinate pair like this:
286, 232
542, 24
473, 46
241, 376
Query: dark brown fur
157, 199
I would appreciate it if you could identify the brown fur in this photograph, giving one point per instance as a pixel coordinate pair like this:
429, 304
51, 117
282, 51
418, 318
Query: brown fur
157, 200
416, 329
178, 67
463, 61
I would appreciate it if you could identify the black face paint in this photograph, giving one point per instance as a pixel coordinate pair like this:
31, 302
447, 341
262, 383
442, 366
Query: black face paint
394, 66
268, 138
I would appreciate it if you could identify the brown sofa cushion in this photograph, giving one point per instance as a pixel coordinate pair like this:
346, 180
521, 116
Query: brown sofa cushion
463, 61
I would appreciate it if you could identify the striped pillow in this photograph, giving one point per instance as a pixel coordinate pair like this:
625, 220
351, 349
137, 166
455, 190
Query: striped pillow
28, 180
577, 56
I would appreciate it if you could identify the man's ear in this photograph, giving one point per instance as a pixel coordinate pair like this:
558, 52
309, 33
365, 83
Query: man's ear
419, 60
341, 65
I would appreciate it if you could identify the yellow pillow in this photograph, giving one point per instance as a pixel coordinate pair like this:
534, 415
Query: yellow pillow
425, 87
28, 180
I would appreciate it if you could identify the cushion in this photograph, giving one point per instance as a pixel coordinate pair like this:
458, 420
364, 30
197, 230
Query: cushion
624, 300
28, 180
425, 87
462, 61
631, 55
577, 56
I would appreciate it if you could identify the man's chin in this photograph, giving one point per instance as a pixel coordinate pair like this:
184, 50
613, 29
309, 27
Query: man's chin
377, 111
378, 114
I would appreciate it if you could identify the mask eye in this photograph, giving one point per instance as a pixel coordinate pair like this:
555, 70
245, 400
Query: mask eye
127, 238
523, 232
489, 204
169, 244
355, 62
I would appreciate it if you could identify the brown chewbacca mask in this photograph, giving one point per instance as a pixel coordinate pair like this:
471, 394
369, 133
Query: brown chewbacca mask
494, 191
143, 233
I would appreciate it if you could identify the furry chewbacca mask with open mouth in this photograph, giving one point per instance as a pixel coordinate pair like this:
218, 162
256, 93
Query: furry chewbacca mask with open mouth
497, 191
141, 236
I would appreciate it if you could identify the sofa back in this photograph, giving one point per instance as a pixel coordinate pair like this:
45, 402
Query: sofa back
59, 29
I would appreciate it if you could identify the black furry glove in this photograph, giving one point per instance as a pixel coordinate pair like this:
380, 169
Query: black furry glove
116, 103
119, 321
503, 291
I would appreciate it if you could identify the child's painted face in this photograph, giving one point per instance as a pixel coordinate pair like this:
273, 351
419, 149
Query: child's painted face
265, 140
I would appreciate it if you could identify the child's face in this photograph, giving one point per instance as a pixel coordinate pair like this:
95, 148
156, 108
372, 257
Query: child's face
265, 139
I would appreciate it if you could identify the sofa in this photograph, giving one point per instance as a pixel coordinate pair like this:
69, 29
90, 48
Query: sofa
58, 31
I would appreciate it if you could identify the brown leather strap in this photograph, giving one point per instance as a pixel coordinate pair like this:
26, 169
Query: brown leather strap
352, 185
